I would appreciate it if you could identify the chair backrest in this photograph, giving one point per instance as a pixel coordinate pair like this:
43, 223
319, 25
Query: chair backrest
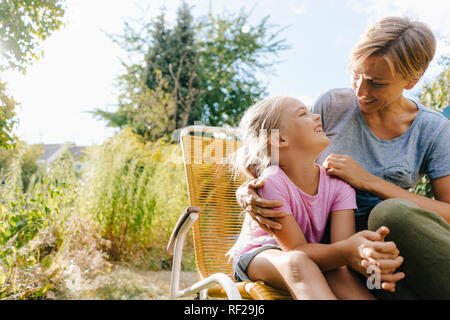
211, 186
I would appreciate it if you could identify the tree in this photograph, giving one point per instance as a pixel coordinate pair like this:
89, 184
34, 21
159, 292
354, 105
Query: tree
147, 111
209, 66
174, 53
23, 25
436, 94
7, 118
232, 54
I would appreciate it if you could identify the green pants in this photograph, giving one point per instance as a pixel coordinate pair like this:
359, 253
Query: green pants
423, 238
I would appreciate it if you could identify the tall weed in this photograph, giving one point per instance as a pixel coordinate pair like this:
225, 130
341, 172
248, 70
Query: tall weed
135, 191
58, 236
41, 237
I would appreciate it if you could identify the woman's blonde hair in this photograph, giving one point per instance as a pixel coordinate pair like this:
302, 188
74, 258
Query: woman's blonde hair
259, 122
407, 46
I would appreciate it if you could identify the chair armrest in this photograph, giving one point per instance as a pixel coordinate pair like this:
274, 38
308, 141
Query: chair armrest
221, 279
181, 220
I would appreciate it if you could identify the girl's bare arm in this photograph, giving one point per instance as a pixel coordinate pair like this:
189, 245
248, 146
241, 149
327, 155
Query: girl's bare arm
349, 251
291, 237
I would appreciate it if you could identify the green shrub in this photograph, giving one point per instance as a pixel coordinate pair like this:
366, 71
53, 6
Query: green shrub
135, 191
57, 236
29, 154
423, 188
434, 95
43, 240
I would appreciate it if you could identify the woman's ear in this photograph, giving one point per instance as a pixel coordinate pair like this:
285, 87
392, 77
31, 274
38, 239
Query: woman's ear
413, 82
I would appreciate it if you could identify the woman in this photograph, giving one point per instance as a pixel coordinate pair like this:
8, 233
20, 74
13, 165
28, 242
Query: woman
382, 144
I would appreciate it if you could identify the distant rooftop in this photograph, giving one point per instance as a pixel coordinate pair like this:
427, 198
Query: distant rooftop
49, 151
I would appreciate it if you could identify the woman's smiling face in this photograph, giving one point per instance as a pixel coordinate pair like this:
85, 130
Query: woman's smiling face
376, 86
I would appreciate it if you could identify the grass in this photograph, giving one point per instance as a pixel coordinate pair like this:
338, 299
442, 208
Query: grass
127, 283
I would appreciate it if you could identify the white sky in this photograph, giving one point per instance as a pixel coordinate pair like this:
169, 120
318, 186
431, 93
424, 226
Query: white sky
80, 63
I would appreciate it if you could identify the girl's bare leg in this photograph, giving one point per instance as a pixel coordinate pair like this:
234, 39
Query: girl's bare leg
293, 270
346, 285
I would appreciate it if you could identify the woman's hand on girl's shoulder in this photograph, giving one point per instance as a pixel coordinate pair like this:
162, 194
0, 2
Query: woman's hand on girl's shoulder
258, 208
349, 170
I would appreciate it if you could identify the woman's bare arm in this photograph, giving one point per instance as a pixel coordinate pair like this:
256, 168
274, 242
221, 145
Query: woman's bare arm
441, 189
344, 167
261, 210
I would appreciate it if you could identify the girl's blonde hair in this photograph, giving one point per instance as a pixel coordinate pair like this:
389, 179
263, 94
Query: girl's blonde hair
407, 46
259, 122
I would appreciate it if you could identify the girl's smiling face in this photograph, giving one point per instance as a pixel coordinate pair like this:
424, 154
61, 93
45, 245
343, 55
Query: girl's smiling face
301, 128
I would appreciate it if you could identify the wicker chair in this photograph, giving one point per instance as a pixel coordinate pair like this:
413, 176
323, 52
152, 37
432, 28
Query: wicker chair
215, 216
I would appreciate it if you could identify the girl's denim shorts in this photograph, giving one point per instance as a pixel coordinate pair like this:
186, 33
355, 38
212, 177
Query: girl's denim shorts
240, 269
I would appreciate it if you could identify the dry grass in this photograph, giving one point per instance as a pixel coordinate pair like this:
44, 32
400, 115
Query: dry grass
127, 284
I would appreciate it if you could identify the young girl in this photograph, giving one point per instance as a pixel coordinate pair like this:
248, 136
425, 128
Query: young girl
281, 140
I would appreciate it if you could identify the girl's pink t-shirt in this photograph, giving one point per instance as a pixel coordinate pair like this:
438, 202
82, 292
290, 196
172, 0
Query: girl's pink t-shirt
310, 212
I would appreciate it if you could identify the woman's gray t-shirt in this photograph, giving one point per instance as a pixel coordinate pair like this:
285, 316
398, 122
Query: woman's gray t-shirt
424, 149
